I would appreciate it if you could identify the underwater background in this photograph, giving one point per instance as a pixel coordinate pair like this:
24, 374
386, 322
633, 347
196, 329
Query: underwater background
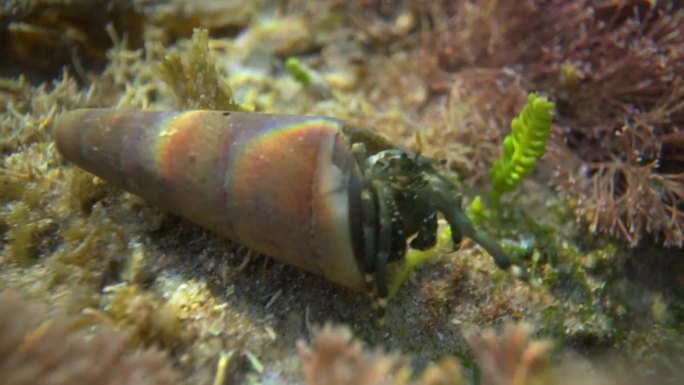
100, 286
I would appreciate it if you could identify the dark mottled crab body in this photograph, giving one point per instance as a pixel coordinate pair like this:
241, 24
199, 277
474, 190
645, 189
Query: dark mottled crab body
308, 191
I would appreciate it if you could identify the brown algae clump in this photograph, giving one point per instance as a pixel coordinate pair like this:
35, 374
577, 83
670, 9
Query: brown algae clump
154, 321
194, 79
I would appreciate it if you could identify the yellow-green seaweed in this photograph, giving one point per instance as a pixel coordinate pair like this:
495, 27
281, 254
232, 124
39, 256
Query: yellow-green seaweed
524, 145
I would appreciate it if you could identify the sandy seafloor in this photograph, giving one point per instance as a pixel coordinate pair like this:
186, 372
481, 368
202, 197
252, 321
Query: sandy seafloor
75, 245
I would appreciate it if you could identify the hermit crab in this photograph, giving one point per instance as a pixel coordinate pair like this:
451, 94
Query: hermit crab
337, 201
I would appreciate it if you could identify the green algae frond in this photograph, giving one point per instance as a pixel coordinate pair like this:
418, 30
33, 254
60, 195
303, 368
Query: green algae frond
524, 146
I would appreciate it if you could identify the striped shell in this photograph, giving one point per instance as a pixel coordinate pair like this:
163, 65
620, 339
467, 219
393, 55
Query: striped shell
285, 186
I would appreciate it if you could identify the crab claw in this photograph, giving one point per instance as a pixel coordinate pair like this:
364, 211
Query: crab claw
461, 225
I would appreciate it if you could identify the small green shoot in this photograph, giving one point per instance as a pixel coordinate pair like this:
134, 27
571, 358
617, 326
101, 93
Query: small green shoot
415, 258
478, 212
299, 71
311, 80
255, 362
222, 367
